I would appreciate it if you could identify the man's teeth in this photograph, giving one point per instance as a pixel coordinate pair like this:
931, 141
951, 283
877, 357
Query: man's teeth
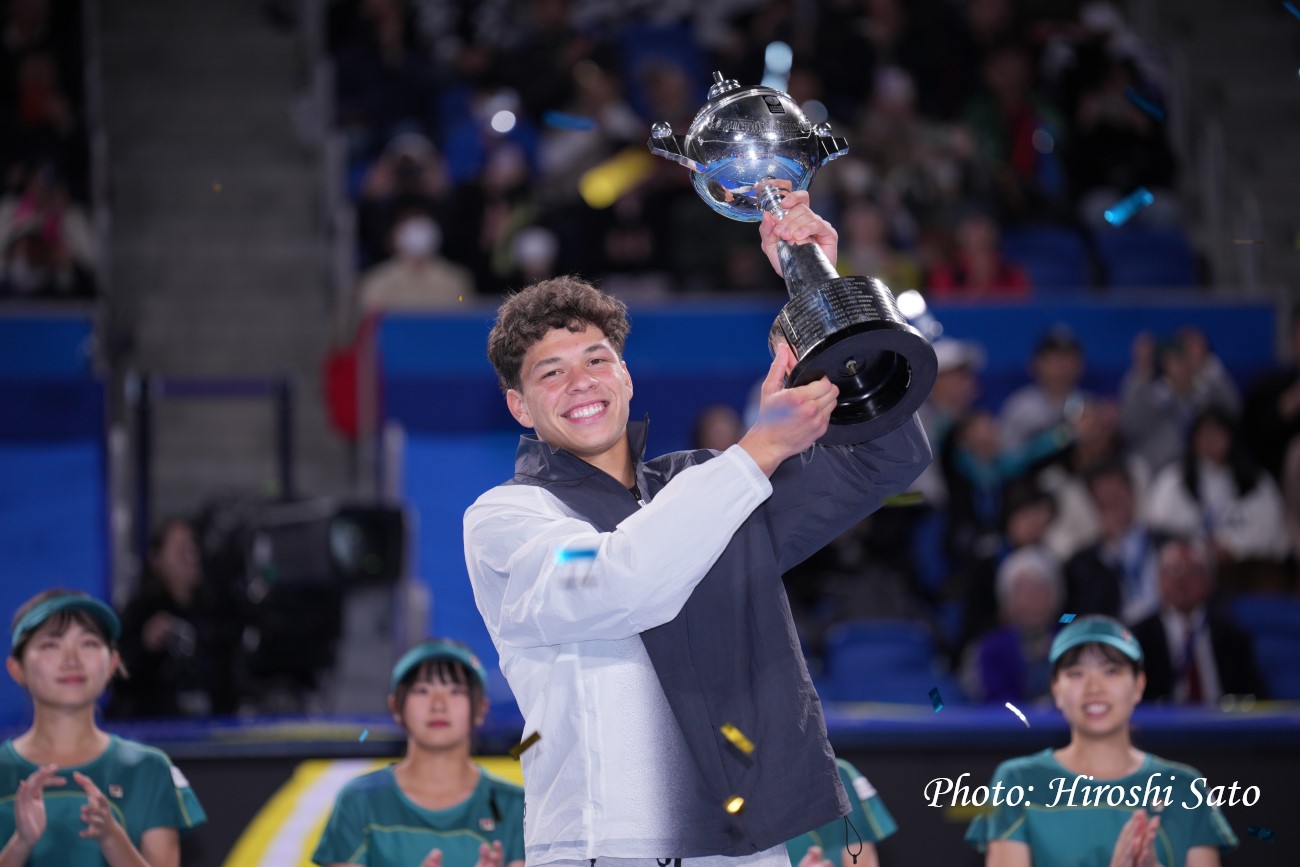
586, 411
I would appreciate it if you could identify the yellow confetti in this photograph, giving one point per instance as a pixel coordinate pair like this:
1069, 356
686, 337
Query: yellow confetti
518, 749
907, 498
216, 187
460, 297
735, 804
604, 184
737, 738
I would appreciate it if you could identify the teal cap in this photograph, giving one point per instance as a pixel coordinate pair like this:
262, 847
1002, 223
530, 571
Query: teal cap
437, 649
1096, 630
42, 611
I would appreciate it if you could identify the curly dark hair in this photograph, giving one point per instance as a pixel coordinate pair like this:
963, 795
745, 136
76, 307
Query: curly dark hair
560, 302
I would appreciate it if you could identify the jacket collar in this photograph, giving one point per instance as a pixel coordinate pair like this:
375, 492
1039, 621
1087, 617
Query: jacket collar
541, 460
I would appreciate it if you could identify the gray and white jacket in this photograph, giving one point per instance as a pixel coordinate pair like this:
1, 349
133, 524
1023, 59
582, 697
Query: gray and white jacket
670, 622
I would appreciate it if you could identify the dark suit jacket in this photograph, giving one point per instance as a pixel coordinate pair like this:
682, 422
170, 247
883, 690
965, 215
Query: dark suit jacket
1092, 586
1234, 656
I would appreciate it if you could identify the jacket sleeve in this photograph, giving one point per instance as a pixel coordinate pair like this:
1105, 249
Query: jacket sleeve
532, 590
818, 495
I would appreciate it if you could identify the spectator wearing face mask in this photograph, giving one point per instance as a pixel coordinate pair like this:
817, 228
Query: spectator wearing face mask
416, 277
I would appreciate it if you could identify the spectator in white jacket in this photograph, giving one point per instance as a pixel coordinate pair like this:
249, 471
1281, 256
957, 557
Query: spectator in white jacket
1217, 491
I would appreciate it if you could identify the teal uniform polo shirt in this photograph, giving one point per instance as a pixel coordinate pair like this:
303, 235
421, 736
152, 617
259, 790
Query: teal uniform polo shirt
143, 787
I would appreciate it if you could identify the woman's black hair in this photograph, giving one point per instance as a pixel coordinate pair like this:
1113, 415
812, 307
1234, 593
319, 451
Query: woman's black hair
59, 622
1113, 655
1245, 472
441, 670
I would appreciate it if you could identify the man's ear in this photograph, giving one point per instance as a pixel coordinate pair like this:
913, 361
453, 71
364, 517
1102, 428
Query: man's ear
627, 374
518, 409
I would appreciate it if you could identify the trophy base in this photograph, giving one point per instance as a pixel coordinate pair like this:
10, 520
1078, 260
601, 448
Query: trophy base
850, 330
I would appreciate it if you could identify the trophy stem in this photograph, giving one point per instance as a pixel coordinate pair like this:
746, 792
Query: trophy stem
804, 266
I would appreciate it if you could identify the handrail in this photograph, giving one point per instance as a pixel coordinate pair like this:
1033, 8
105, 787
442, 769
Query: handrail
1247, 233
1180, 103
1211, 168
144, 389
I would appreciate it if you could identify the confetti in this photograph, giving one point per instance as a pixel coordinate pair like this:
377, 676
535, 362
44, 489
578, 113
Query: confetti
936, 699
1122, 211
1292, 9
1264, 834
216, 188
604, 184
365, 733
734, 804
1150, 108
560, 120
1015, 710
907, 498
737, 738
518, 749
1066, 618
565, 555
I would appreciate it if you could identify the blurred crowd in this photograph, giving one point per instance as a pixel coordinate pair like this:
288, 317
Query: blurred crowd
493, 143
48, 249
1172, 505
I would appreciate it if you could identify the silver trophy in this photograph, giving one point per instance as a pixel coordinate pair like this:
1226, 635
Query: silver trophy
745, 148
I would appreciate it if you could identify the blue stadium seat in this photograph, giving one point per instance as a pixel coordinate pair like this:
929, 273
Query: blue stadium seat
1056, 258
1273, 621
1267, 613
885, 661
1139, 258
1276, 657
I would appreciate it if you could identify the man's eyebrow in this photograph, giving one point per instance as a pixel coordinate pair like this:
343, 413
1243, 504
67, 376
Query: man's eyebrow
555, 359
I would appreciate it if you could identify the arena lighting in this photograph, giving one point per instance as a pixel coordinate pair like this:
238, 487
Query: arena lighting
777, 60
913, 307
503, 121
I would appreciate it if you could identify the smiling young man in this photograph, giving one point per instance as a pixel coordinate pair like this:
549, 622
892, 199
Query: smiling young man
637, 606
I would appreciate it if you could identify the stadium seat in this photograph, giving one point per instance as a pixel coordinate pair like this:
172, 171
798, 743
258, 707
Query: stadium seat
885, 661
1273, 621
1276, 655
1138, 258
1267, 613
1056, 258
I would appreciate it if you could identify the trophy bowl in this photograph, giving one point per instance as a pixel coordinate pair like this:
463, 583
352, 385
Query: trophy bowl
745, 148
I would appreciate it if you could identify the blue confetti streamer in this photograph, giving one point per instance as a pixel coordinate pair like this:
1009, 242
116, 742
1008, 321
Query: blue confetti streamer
560, 120
1264, 834
1122, 211
564, 556
1066, 618
1292, 9
365, 733
1149, 107
936, 699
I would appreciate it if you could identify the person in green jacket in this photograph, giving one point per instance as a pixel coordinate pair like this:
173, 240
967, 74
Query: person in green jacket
436, 807
72, 795
1099, 801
